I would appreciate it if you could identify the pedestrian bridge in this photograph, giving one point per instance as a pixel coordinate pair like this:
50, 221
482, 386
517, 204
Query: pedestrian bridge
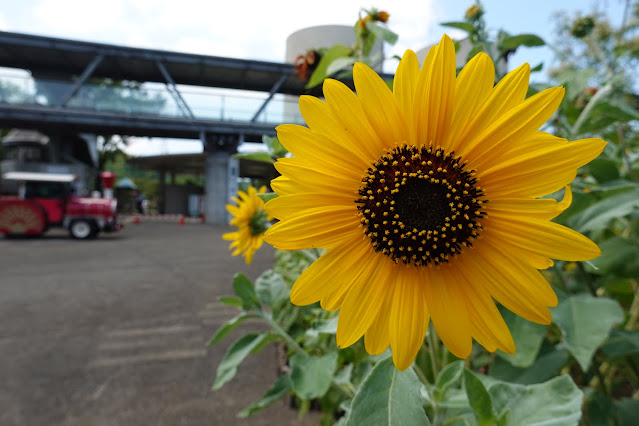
56, 84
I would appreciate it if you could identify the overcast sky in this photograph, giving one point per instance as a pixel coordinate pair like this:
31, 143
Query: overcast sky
258, 29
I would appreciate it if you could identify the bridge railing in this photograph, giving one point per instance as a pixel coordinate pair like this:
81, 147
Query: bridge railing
150, 99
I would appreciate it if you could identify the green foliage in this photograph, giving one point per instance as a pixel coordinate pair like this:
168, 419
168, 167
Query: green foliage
311, 376
388, 397
585, 323
582, 368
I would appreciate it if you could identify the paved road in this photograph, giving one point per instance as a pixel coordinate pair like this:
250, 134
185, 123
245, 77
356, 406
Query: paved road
112, 331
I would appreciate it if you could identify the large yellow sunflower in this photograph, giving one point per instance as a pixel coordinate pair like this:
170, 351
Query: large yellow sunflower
427, 199
251, 220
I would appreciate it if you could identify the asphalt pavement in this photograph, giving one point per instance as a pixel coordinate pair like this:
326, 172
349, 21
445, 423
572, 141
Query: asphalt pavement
113, 331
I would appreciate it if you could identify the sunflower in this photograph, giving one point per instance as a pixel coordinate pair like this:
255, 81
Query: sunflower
427, 199
251, 220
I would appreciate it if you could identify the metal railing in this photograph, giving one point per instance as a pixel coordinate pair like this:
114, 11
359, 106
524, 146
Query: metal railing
150, 99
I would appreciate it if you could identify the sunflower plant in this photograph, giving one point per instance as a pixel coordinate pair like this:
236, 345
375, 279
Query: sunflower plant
471, 248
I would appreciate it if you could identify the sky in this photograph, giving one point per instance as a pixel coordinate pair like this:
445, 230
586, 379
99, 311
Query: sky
258, 29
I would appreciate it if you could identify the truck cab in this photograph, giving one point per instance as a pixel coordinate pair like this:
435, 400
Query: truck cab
47, 200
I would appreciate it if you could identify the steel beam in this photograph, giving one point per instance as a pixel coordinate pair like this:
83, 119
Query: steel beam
85, 74
272, 93
170, 84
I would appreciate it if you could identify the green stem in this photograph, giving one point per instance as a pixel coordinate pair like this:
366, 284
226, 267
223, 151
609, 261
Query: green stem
562, 281
432, 350
587, 279
279, 330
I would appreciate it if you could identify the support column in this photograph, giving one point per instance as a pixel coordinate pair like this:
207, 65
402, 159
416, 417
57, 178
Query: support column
221, 175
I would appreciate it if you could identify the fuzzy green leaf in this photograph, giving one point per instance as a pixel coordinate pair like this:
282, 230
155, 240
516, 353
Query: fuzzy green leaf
280, 388
388, 397
557, 402
318, 76
479, 398
585, 323
271, 288
244, 289
513, 42
528, 337
598, 215
227, 327
619, 257
234, 356
382, 32
464, 26
311, 376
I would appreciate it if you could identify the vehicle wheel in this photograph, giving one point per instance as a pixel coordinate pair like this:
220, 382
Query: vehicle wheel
81, 229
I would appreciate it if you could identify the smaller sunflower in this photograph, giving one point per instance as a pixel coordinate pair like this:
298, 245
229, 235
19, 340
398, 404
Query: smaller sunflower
251, 220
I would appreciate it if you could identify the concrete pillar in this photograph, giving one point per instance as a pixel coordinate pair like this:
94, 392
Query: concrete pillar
220, 185
220, 175
162, 192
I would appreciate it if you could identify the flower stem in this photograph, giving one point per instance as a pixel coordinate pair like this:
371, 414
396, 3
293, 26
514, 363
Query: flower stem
432, 350
279, 330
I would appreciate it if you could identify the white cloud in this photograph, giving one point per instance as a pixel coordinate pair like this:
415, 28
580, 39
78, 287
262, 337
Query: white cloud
3, 23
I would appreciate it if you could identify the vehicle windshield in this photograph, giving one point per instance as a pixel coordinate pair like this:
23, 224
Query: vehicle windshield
48, 189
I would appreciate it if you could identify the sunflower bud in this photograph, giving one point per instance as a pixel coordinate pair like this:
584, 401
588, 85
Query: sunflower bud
582, 26
474, 12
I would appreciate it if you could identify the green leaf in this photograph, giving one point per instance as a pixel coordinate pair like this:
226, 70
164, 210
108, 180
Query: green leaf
339, 64
234, 356
464, 26
274, 146
557, 402
627, 411
318, 76
547, 365
311, 376
323, 326
585, 323
528, 337
388, 397
619, 257
280, 388
448, 377
604, 169
513, 42
479, 398
271, 288
267, 196
229, 326
538, 67
600, 410
231, 301
244, 289
597, 216
263, 157
382, 32
575, 81
621, 343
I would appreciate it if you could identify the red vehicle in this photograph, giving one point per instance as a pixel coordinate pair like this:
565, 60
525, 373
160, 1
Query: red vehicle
47, 200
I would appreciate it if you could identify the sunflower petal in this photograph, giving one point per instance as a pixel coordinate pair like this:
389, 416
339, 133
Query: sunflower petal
323, 227
363, 302
472, 87
335, 268
520, 122
347, 108
380, 106
542, 237
408, 318
448, 311
540, 172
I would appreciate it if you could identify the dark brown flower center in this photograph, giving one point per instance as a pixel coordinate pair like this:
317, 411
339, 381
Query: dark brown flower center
419, 205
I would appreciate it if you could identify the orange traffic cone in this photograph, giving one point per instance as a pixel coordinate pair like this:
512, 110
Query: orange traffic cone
181, 220
137, 219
